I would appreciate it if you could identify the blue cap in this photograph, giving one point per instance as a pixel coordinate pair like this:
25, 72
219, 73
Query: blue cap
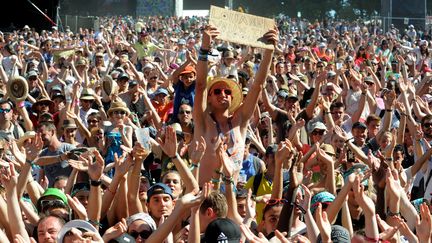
321, 197
158, 188
161, 91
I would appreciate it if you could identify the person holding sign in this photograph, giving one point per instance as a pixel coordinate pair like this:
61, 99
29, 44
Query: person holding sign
218, 109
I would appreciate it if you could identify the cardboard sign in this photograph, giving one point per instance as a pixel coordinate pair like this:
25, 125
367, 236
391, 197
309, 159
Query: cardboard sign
241, 28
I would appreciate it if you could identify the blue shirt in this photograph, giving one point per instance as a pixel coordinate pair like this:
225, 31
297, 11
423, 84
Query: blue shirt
183, 95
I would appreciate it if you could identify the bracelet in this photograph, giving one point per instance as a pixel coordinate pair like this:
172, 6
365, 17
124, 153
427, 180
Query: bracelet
214, 181
390, 214
175, 156
218, 172
203, 51
95, 223
389, 110
202, 57
228, 180
390, 159
96, 183
327, 112
193, 166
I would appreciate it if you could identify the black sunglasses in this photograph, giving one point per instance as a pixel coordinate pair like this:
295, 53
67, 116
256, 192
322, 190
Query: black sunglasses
219, 91
143, 234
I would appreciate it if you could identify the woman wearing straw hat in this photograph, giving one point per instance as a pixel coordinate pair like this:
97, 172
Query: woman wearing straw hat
118, 133
219, 111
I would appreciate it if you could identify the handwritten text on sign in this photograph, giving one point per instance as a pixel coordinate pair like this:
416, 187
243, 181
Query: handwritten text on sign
241, 28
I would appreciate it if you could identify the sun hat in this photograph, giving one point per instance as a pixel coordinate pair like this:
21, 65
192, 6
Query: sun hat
237, 96
24, 137
118, 106
17, 88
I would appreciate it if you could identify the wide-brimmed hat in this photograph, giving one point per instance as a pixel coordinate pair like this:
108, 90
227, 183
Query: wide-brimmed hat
236, 90
23, 138
87, 94
17, 88
69, 123
108, 85
43, 100
118, 106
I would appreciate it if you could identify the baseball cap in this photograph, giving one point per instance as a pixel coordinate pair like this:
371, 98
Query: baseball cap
338, 234
188, 69
222, 230
161, 91
317, 125
78, 224
321, 197
158, 188
80, 186
32, 73
359, 125
53, 192
123, 76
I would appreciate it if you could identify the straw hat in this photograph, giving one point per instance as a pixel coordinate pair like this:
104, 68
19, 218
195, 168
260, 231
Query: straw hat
43, 100
23, 138
118, 106
108, 85
17, 88
237, 96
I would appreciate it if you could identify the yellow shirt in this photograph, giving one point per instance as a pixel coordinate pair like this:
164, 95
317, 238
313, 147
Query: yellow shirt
144, 50
265, 187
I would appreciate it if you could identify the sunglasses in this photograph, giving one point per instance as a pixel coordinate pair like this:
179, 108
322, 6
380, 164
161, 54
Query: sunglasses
47, 204
119, 112
184, 112
219, 91
319, 132
276, 201
92, 121
320, 66
143, 234
153, 78
427, 125
5, 110
369, 83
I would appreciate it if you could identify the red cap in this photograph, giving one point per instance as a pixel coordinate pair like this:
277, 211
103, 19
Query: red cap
188, 69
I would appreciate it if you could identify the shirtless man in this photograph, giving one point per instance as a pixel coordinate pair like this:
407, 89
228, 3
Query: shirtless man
219, 111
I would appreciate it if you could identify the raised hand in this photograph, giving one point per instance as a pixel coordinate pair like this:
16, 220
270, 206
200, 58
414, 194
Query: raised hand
77, 207
169, 145
95, 169
8, 177
33, 150
115, 231
198, 150
209, 34
424, 224
323, 223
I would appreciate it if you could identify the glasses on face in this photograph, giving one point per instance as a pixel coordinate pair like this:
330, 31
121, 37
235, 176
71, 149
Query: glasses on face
219, 91
320, 66
427, 125
71, 130
143, 234
318, 132
92, 121
369, 83
5, 110
276, 201
153, 78
120, 112
183, 112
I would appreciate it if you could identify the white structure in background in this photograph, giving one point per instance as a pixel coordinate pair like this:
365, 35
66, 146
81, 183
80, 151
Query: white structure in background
199, 13
178, 8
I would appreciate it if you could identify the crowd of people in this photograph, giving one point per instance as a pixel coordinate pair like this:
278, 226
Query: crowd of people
154, 130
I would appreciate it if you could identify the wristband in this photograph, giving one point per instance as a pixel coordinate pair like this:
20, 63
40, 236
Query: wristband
228, 180
346, 141
95, 183
388, 159
202, 57
93, 222
175, 156
193, 166
389, 110
21, 104
203, 52
214, 181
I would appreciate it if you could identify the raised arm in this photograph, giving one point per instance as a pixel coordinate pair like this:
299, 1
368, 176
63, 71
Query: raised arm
247, 108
